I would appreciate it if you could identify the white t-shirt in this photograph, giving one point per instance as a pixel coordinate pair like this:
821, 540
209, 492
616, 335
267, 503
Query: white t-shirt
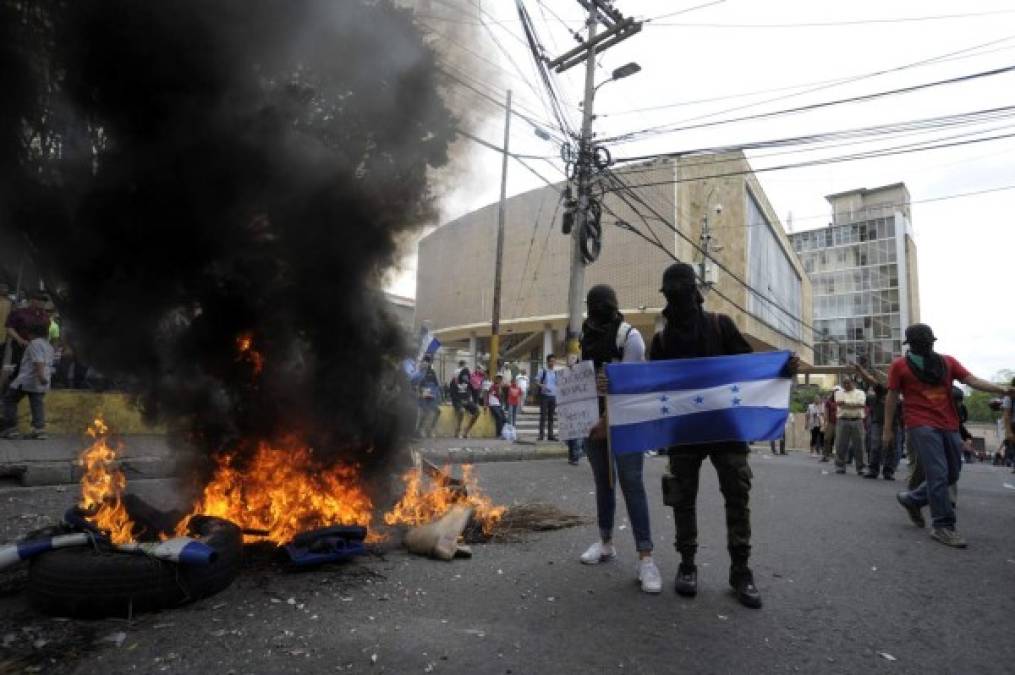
855, 396
814, 413
38, 351
634, 348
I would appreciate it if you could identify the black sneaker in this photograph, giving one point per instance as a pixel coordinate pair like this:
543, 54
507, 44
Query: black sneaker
870, 475
742, 581
686, 583
912, 509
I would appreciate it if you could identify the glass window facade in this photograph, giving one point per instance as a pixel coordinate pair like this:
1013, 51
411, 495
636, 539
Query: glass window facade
854, 275
773, 274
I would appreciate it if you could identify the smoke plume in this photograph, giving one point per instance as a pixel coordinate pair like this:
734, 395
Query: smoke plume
196, 173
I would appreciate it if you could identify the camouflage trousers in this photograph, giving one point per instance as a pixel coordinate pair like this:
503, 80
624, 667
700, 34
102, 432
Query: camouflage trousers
680, 490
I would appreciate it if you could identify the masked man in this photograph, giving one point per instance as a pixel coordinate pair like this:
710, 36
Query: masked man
691, 332
924, 379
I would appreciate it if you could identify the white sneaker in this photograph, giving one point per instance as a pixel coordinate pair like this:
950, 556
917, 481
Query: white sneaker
648, 575
599, 552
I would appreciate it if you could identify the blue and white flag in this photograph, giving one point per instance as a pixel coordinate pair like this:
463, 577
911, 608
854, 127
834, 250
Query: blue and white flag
724, 398
428, 344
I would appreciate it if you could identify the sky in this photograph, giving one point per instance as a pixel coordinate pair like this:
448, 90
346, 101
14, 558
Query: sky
729, 49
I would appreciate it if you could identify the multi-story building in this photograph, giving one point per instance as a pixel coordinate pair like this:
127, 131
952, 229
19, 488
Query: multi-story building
456, 261
863, 273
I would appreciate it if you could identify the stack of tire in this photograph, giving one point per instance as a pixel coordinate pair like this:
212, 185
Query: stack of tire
99, 580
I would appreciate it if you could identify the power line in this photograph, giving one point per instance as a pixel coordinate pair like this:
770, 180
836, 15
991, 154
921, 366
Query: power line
683, 11
707, 255
848, 22
815, 106
905, 127
824, 84
833, 160
941, 198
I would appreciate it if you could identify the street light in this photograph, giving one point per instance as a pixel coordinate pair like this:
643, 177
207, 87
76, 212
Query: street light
625, 71
620, 73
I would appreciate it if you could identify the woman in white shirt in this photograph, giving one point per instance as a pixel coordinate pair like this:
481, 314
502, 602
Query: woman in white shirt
606, 338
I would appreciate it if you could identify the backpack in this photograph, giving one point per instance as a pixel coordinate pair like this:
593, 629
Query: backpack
623, 333
476, 381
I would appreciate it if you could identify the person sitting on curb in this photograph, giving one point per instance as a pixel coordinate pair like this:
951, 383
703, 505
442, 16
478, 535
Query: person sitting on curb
462, 401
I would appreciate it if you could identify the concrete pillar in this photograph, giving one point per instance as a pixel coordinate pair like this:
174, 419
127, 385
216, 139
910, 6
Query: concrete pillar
473, 346
547, 343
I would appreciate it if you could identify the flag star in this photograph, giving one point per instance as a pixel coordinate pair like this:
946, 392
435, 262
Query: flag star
736, 400
664, 398
735, 388
699, 399
665, 410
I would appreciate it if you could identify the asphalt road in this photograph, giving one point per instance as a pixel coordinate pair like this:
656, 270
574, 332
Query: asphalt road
849, 586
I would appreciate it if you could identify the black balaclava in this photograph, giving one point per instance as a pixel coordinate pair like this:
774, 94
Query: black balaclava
683, 299
599, 332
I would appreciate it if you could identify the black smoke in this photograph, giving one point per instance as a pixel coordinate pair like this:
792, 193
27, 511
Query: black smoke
190, 171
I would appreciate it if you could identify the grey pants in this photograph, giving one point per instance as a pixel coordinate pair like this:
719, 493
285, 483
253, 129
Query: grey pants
849, 433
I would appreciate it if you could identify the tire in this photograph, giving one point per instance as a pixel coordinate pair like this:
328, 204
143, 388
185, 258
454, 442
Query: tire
91, 582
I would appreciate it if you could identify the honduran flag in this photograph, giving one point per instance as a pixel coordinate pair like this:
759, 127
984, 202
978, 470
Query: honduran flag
428, 344
657, 404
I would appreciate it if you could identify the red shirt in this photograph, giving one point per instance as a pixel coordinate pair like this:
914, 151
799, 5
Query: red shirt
514, 394
22, 319
831, 411
927, 405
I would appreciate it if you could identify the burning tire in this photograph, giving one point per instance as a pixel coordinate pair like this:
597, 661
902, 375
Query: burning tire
100, 581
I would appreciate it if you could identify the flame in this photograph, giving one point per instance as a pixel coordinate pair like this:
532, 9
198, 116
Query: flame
103, 486
283, 490
246, 353
423, 503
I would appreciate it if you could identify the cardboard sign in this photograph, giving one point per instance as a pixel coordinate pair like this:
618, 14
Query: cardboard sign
577, 404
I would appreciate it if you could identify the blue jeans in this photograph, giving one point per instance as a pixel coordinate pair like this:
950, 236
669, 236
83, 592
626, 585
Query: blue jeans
35, 402
575, 449
940, 455
628, 467
513, 414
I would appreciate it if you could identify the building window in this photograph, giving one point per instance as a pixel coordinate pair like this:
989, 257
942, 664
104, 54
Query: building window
771, 272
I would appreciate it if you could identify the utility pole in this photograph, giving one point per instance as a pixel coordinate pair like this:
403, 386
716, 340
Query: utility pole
576, 287
618, 28
495, 323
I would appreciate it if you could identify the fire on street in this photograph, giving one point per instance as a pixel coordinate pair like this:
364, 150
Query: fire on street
845, 576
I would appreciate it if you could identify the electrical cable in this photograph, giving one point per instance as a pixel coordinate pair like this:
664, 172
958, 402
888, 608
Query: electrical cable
834, 160
682, 11
848, 22
635, 135
829, 84
865, 134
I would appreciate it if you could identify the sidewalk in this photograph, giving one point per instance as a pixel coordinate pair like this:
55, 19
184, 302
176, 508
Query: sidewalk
54, 461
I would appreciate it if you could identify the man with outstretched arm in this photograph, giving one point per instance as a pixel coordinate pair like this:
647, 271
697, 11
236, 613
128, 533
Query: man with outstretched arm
924, 379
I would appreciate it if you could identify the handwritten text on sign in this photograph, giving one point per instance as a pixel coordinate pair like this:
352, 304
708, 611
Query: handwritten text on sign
577, 403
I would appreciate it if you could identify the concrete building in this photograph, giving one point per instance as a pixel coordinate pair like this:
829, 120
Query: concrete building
456, 261
863, 271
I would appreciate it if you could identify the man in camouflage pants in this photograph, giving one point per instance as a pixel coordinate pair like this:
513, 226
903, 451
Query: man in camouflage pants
691, 332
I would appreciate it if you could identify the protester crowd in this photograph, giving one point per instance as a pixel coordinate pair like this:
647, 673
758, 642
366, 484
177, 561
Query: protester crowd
869, 422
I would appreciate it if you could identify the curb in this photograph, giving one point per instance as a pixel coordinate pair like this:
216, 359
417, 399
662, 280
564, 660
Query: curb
478, 454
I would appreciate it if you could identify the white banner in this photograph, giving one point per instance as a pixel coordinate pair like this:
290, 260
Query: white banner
577, 400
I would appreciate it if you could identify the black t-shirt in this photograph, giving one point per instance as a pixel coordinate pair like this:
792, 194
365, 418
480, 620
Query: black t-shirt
461, 390
712, 334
